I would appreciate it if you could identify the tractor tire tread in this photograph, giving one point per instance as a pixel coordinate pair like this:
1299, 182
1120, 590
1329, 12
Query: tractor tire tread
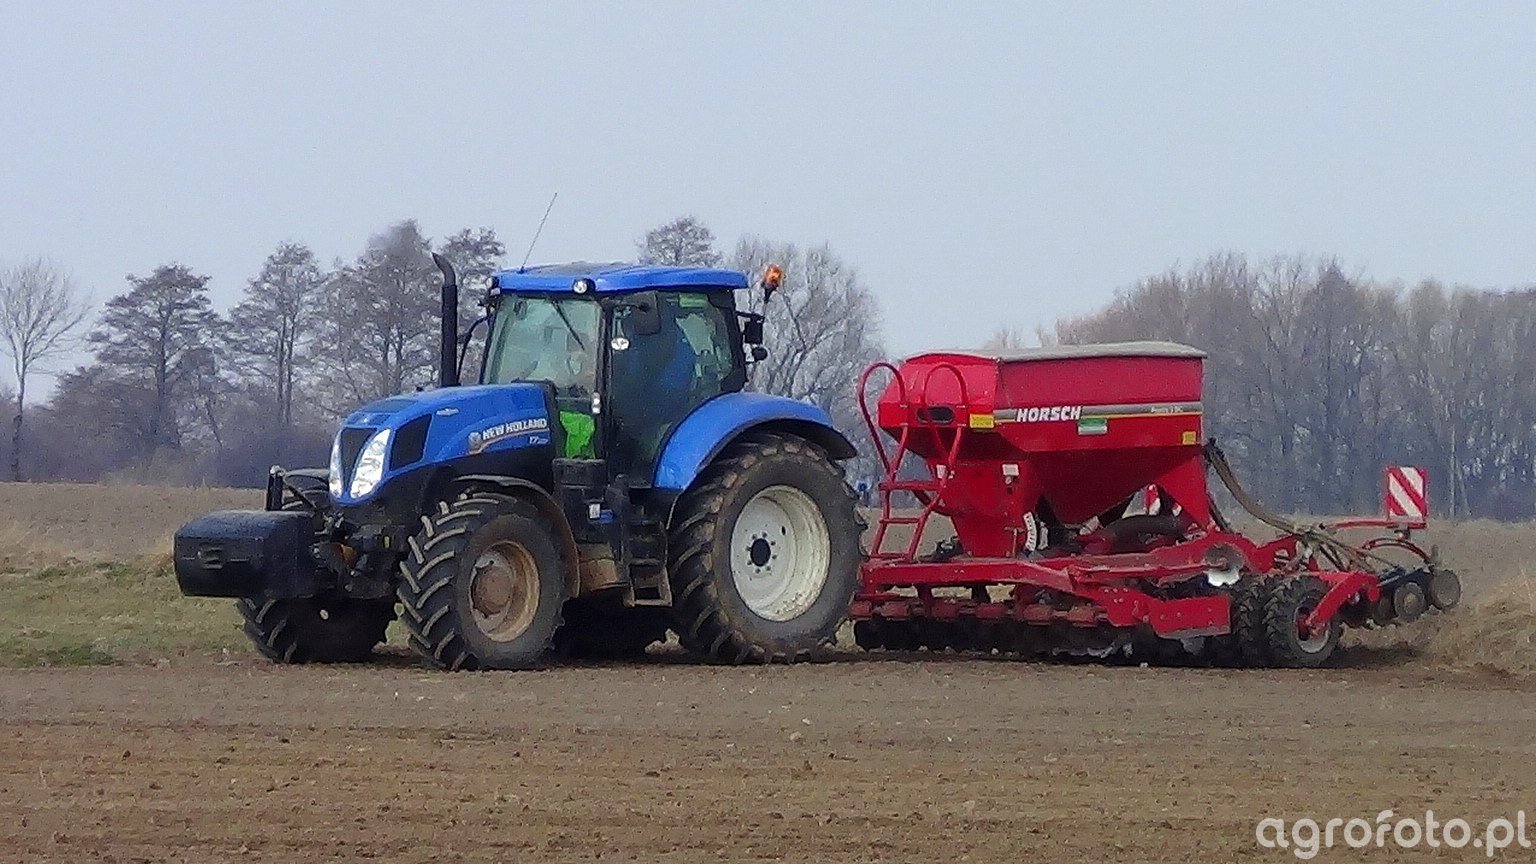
702, 625
291, 631
294, 631
1281, 606
427, 573
1250, 644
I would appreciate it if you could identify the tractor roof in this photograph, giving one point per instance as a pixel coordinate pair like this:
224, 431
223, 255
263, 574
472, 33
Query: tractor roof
616, 278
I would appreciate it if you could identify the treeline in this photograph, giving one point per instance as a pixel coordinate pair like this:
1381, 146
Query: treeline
177, 391
1317, 379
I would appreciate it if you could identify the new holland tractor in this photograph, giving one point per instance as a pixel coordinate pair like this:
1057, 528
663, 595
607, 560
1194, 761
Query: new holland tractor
607, 479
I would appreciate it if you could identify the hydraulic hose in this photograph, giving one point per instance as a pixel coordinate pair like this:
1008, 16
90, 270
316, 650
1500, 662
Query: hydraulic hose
1323, 539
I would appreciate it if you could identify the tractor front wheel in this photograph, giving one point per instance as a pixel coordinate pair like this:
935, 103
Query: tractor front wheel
324, 629
327, 628
764, 553
483, 584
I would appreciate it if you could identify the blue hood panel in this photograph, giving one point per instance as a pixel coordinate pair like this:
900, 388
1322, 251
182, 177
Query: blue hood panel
465, 421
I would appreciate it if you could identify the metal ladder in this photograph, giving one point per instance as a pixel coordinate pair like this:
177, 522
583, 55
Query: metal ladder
930, 491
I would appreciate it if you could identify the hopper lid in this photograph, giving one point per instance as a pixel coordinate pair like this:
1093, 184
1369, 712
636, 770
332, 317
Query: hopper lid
1071, 352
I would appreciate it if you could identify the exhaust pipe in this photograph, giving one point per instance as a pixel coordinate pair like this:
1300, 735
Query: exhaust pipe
448, 350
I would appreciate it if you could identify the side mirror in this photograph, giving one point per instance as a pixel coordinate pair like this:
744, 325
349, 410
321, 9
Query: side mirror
644, 314
752, 331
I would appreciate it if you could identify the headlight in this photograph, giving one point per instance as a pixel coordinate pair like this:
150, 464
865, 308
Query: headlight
370, 465
336, 468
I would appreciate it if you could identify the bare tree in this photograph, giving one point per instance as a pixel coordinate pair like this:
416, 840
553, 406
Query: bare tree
683, 242
379, 320
1006, 339
476, 254
273, 323
40, 312
381, 311
153, 357
823, 328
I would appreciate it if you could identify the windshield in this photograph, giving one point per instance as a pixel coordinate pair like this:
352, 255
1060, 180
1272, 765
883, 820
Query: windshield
545, 339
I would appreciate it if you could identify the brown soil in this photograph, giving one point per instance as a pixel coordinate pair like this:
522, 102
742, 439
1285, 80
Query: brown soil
933, 760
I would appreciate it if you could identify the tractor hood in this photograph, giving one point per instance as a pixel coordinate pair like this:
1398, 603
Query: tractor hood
393, 436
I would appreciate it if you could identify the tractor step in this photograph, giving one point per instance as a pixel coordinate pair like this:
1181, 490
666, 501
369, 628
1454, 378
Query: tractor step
652, 590
648, 583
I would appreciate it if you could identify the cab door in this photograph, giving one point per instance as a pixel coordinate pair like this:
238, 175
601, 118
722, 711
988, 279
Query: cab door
669, 353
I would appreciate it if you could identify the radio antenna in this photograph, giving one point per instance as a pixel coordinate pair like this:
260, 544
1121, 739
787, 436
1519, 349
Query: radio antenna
538, 231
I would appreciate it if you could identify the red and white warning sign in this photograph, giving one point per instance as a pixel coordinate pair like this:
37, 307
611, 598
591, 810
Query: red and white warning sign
1407, 493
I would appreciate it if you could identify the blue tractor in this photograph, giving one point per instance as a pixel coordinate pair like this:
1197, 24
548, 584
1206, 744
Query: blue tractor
607, 479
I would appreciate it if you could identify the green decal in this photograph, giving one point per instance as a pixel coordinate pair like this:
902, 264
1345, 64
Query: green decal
1092, 425
578, 434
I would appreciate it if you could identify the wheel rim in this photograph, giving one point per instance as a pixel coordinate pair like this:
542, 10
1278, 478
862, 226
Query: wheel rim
780, 553
504, 591
1317, 640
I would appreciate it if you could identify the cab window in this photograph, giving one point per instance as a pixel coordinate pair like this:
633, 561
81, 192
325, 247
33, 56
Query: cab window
704, 328
545, 339
554, 339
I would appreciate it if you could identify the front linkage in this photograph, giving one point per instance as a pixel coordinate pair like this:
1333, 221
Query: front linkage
304, 597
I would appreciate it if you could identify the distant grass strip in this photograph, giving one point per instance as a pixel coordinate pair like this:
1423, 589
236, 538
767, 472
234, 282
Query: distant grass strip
78, 614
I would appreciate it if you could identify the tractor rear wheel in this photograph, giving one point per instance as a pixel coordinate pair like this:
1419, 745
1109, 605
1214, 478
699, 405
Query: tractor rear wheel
483, 584
328, 628
1289, 602
764, 553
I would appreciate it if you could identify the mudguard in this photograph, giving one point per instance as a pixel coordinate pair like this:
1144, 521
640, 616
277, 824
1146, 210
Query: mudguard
704, 433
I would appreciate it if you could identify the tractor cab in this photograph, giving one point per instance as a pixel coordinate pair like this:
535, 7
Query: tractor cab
629, 352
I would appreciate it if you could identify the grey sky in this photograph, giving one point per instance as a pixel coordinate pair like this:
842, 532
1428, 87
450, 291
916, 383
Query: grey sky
982, 164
